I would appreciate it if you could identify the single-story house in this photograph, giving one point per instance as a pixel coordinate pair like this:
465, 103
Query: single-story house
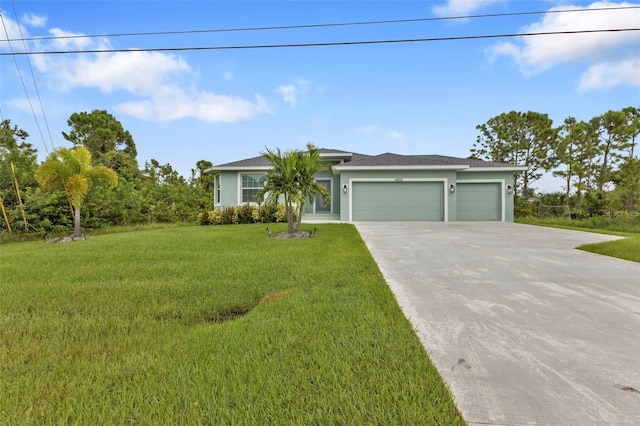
387, 187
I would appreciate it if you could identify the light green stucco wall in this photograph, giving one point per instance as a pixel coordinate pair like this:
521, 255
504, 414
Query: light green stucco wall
230, 186
340, 199
449, 176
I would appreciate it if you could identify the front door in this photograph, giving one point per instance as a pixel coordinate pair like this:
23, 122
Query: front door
319, 205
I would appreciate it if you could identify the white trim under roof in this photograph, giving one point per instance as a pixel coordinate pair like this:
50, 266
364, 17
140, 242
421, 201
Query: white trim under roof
233, 169
497, 169
439, 167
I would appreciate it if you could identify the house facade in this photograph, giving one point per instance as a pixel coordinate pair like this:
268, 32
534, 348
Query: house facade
387, 187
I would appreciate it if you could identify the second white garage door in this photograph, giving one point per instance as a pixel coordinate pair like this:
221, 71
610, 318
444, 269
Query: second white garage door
397, 201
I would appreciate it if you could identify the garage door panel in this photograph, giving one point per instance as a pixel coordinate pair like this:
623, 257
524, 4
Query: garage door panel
479, 201
398, 201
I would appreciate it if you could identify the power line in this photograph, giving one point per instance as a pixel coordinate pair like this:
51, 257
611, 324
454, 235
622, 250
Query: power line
15, 60
33, 77
325, 25
321, 44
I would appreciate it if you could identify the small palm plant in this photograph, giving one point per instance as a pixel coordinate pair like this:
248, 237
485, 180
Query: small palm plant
280, 181
292, 177
71, 170
308, 165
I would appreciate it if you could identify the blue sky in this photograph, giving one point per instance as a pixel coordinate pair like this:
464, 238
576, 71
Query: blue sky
226, 105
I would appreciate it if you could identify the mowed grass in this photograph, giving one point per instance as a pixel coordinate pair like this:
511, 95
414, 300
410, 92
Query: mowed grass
209, 325
627, 248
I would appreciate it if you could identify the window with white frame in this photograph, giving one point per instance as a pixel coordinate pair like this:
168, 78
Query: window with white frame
218, 195
251, 184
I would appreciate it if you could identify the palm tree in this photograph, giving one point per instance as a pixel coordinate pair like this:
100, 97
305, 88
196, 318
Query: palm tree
280, 181
310, 164
292, 177
71, 169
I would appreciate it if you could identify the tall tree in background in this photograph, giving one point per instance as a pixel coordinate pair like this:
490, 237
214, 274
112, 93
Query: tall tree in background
632, 127
108, 142
627, 180
17, 164
14, 149
524, 139
72, 170
200, 178
576, 150
613, 131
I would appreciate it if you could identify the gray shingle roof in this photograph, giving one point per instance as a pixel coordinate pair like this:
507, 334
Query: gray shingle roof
390, 159
260, 161
387, 159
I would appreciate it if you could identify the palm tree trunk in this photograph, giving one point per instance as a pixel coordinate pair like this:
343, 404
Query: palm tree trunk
77, 232
289, 211
300, 209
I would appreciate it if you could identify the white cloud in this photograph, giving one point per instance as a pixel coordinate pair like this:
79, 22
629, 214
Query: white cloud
137, 72
609, 75
154, 79
75, 41
228, 76
176, 104
22, 104
34, 20
288, 94
291, 92
537, 54
461, 7
14, 30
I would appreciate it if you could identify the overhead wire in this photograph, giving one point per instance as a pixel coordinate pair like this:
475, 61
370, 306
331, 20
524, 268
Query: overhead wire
33, 77
24, 86
320, 44
327, 25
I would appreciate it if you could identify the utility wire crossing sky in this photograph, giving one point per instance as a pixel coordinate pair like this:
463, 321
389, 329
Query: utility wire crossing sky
373, 83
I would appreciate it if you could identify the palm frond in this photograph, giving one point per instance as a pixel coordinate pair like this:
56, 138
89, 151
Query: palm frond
77, 188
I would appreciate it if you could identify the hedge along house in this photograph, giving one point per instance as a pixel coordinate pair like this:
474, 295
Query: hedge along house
387, 187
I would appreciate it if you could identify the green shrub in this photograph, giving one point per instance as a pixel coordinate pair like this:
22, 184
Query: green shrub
265, 213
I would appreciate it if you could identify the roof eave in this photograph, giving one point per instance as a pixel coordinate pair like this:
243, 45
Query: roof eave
439, 167
496, 169
232, 168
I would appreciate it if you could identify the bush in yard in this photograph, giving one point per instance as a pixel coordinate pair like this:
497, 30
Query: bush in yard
265, 213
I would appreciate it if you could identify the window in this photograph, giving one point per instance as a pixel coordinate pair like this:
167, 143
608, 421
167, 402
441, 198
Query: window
251, 184
218, 197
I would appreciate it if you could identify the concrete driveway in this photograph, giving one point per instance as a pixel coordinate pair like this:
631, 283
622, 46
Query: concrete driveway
524, 328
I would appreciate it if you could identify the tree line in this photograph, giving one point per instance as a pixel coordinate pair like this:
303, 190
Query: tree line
155, 193
596, 159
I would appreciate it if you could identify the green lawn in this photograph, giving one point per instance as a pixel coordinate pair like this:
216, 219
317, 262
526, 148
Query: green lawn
627, 248
209, 325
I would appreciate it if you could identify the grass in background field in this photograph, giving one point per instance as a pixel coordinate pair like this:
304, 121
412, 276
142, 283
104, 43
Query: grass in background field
627, 226
209, 325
